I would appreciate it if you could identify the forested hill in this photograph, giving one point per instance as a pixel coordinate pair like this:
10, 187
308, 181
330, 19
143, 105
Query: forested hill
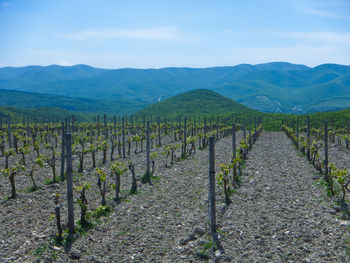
78, 105
44, 114
196, 102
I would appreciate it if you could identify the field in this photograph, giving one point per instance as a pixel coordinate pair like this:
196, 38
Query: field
271, 202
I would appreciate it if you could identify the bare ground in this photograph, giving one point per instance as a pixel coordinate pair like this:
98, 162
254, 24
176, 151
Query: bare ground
279, 214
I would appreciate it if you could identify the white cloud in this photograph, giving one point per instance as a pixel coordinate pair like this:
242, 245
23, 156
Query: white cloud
334, 9
323, 13
64, 63
158, 33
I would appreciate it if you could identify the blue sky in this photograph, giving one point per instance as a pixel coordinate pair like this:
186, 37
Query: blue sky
167, 33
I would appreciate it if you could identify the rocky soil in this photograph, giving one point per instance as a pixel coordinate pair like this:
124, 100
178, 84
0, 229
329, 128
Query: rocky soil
164, 223
27, 222
279, 214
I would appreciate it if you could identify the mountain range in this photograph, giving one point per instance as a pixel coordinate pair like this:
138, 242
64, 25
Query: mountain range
271, 87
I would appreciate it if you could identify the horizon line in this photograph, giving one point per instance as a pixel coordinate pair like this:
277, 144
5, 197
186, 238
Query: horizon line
156, 68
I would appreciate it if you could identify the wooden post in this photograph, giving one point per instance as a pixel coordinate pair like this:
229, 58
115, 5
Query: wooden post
115, 126
326, 150
132, 124
28, 129
199, 120
98, 125
184, 139
73, 123
194, 125
212, 205
333, 134
58, 222
105, 132
308, 138
180, 128
133, 189
148, 158
63, 152
9, 134
69, 127
233, 141
123, 134
255, 133
250, 133
244, 130
298, 132
159, 133
144, 123
347, 132
217, 129
70, 200
66, 126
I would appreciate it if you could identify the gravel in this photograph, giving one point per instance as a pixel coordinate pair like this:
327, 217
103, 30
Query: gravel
279, 214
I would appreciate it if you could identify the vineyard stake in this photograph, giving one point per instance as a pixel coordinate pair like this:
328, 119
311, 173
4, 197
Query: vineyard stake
159, 132
147, 176
105, 132
326, 150
347, 131
123, 134
63, 152
9, 130
212, 207
250, 133
70, 200
308, 138
233, 141
298, 133
184, 139
244, 130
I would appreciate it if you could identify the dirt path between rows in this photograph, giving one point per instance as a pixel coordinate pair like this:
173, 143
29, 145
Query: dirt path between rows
280, 214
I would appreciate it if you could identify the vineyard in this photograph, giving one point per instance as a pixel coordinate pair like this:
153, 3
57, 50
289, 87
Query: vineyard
125, 190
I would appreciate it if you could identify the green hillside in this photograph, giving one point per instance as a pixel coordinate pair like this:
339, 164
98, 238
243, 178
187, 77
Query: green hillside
82, 105
340, 117
41, 114
196, 102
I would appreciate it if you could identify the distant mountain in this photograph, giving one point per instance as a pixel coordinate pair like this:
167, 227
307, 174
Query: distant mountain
269, 87
196, 102
83, 105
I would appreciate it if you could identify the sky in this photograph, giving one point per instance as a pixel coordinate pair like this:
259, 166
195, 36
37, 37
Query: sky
173, 33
